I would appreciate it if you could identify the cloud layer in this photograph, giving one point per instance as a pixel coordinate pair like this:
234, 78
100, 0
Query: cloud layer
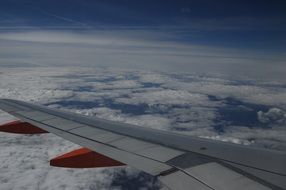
246, 112
137, 49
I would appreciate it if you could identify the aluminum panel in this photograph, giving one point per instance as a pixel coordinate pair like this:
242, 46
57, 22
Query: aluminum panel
36, 115
160, 153
62, 124
266, 177
15, 105
131, 144
220, 177
48, 128
8, 108
181, 181
106, 137
188, 160
87, 131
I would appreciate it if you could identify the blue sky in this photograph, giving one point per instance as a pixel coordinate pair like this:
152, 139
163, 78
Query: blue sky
206, 34
244, 24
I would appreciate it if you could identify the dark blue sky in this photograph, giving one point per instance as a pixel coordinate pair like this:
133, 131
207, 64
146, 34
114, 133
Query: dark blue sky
241, 24
127, 12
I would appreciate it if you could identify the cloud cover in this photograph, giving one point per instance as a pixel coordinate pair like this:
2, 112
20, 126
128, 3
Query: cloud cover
190, 104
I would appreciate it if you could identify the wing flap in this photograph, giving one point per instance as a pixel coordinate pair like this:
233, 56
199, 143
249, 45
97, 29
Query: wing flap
87, 131
262, 176
181, 181
212, 173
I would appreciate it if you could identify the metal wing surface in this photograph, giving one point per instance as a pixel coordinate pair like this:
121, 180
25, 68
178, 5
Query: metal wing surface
181, 162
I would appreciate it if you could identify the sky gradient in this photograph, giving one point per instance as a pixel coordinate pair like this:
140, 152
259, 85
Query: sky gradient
242, 37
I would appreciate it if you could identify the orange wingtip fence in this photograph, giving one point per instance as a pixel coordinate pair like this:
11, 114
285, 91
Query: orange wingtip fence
20, 127
84, 158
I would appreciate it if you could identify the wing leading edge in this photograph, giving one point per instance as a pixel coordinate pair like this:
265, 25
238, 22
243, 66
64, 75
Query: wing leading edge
179, 161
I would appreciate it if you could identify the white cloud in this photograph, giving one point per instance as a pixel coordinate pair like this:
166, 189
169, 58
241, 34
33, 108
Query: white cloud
165, 96
228, 139
114, 84
25, 165
152, 121
155, 78
273, 116
223, 89
147, 120
271, 138
193, 119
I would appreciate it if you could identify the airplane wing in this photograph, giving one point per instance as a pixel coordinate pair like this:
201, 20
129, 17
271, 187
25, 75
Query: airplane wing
180, 162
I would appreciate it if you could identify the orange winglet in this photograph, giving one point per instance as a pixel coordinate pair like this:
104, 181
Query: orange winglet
84, 158
21, 128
